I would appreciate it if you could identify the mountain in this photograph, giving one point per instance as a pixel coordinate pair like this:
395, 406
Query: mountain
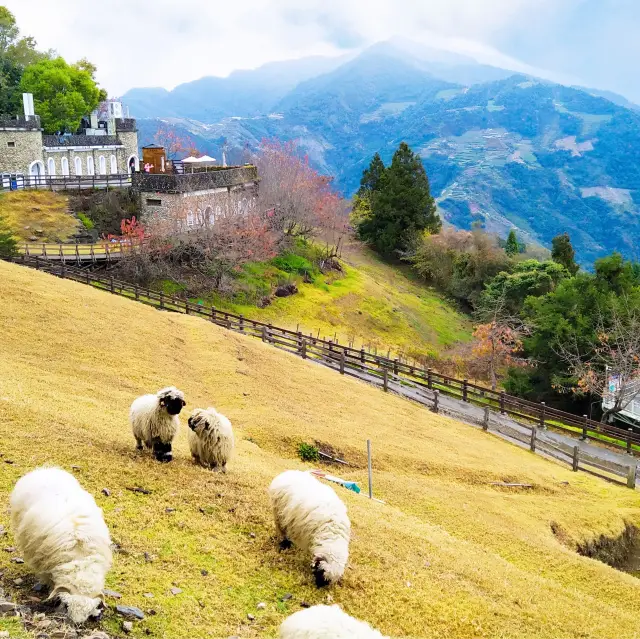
242, 93
515, 151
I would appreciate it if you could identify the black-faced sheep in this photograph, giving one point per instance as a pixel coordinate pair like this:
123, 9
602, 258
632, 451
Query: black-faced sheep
154, 421
325, 622
210, 438
311, 515
60, 531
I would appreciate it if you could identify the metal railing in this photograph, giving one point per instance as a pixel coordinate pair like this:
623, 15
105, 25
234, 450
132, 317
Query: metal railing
10, 182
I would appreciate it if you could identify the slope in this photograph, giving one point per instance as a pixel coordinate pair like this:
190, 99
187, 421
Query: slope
448, 555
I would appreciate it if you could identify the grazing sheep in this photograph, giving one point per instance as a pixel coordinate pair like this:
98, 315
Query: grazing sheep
311, 515
326, 622
154, 421
210, 438
60, 531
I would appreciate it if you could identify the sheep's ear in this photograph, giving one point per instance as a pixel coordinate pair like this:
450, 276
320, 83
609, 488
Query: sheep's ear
184, 403
57, 591
162, 402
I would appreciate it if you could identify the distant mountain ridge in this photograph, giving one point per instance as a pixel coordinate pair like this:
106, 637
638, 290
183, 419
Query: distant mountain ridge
505, 149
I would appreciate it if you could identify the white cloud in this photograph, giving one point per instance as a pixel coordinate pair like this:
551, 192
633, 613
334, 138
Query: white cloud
167, 42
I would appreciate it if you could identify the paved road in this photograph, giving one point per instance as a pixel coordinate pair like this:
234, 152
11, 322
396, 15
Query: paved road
505, 426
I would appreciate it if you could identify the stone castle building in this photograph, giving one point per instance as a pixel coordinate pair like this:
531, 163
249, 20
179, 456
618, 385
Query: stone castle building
106, 144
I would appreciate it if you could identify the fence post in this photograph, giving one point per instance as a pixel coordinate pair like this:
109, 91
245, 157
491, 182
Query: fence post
429, 380
631, 476
543, 410
86, 273
395, 366
37, 263
502, 402
385, 380
436, 395
465, 389
186, 307
362, 355
584, 429
242, 323
111, 284
369, 468
303, 349
137, 293
576, 458
161, 299
342, 358
534, 433
629, 441
264, 333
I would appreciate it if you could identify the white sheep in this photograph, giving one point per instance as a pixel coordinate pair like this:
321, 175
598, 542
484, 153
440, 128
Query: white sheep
154, 421
61, 534
326, 622
311, 515
210, 438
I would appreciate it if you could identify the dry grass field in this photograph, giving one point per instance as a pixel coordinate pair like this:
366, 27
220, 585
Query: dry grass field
447, 556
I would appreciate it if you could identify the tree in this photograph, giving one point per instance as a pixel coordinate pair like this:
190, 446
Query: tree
512, 247
371, 177
401, 205
176, 145
608, 364
62, 93
562, 252
8, 244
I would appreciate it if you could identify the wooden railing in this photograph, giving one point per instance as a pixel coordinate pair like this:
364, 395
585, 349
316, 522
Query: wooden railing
78, 253
416, 383
63, 182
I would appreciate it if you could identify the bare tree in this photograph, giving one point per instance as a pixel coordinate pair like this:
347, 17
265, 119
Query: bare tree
608, 364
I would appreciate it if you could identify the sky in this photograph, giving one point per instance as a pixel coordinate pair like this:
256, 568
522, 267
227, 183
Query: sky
143, 43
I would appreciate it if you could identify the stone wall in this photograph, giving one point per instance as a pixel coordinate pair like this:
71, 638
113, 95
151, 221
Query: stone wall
71, 154
129, 139
191, 182
19, 149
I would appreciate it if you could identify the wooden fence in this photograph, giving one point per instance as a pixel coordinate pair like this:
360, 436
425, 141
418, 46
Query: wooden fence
78, 253
63, 182
419, 384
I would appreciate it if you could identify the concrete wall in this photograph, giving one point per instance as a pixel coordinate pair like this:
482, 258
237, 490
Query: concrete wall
95, 153
27, 149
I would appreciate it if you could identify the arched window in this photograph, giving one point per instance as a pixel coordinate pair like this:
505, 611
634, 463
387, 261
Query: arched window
64, 166
103, 165
114, 165
190, 218
218, 213
78, 166
133, 164
51, 166
90, 169
208, 216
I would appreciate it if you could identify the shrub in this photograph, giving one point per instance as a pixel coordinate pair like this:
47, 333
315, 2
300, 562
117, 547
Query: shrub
8, 244
292, 263
308, 452
88, 224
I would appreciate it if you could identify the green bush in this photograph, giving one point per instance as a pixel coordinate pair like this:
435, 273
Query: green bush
88, 224
292, 263
308, 452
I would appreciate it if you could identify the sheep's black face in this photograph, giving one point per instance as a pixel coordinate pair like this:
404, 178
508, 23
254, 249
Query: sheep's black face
318, 573
174, 405
198, 424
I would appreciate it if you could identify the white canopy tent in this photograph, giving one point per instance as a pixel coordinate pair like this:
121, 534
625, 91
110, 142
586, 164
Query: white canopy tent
202, 161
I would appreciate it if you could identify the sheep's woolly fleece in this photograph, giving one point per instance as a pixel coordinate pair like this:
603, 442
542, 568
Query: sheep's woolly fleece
210, 438
312, 516
61, 533
326, 622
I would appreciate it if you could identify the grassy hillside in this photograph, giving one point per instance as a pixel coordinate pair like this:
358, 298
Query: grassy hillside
447, 556
41, 214
374, 304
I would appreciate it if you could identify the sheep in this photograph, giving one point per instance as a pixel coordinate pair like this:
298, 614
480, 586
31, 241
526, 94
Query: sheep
61, 534
311, 515
326, 622
154, 421
210, 438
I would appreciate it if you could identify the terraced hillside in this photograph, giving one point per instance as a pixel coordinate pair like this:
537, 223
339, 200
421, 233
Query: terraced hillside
447, 555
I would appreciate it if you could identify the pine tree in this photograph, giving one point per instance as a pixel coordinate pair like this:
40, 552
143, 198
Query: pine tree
562, 253
401, 205
371, 177
512, 247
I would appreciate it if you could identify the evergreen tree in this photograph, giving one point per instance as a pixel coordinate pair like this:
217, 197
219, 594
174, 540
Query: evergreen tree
562, 252
8, 244
401, 205
512, 247
371, 177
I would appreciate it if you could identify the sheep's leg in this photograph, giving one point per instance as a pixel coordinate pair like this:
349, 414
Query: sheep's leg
285, 543
224, 468
139, 445
162, 451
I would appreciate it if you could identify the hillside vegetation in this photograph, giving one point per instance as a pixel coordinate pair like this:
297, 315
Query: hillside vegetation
448, 555
40, 214
372, 303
